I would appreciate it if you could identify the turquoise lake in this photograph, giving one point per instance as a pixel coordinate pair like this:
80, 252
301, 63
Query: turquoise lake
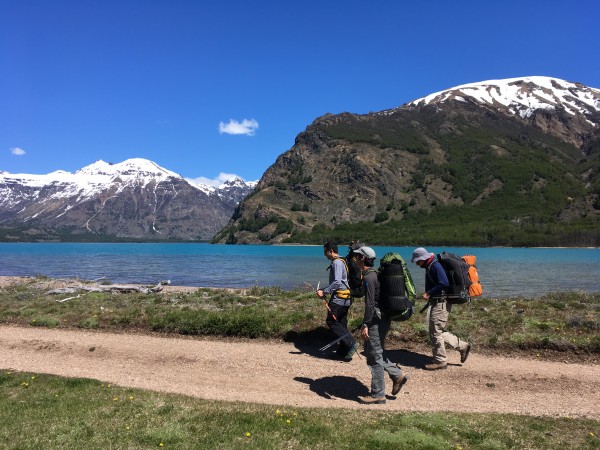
504, 272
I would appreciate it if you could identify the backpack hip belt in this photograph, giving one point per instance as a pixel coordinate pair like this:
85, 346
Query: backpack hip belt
344, 294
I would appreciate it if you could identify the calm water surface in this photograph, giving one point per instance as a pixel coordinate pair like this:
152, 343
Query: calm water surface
504, 272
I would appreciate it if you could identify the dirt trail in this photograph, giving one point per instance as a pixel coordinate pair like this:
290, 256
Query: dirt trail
283, 374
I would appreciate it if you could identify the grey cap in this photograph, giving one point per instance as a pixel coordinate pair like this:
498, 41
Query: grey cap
420, 254
367, 252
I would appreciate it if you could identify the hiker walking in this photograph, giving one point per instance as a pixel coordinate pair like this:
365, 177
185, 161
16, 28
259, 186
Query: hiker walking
436, 285
339, 302
376, 324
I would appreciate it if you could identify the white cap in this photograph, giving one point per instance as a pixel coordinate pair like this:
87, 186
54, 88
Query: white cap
367, 252
420, 254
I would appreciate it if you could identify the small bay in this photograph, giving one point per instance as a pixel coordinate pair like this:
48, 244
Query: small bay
504, 272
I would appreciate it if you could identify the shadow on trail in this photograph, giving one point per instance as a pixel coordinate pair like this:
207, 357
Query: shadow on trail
407, 358
346, 388
309, 342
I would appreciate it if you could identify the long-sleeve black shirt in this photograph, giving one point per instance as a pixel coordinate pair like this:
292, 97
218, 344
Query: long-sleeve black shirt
371, 296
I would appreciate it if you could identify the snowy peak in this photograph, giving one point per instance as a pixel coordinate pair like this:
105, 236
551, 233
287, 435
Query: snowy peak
136, 167
234, 190
522, 96
237, 182
99, 172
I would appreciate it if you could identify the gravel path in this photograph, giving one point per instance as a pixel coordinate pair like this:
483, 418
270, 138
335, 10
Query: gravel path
284, 374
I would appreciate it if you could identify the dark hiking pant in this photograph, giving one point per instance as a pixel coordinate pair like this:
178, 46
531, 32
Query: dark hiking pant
340, 326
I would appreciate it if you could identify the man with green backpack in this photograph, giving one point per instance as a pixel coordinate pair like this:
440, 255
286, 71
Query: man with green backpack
376, 324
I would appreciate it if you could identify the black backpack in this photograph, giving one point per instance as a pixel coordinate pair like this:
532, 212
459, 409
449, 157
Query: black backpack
393, 297
457, 271
355, 278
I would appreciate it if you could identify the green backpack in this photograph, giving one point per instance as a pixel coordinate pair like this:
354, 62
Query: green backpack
397, 290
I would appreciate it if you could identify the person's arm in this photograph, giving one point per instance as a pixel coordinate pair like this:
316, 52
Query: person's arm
337, 266
438, 275
369, 299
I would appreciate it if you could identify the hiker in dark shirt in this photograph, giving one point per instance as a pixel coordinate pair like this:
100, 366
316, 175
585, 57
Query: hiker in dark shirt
339, 302
436, 284
376, 324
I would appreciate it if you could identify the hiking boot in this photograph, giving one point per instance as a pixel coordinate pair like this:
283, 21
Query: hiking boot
436, 366
351, 352
398, 383
368, 400
464, 354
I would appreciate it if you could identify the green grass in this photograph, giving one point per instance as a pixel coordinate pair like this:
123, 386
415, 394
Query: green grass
42, 411
561, 322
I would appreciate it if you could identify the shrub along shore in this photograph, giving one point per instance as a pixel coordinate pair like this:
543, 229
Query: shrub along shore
564, 324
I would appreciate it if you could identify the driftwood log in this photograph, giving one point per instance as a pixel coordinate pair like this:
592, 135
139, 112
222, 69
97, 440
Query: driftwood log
112, 288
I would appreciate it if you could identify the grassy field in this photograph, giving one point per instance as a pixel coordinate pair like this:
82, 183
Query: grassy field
560, 323
49, 412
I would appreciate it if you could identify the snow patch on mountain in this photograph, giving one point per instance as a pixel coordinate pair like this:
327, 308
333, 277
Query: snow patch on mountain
522, 96
99, 176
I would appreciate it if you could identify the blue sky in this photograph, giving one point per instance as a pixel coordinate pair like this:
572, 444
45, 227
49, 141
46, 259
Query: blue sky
204, 88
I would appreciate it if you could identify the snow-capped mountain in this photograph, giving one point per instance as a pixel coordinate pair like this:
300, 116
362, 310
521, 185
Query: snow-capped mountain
233, 191
133, 199
502, 153
524, 96
567, 110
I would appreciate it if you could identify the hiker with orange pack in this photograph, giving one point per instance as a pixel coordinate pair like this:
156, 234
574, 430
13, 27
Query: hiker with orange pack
436, 289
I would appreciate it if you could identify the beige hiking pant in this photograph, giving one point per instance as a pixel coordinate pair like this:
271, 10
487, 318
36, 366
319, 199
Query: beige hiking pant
437, 317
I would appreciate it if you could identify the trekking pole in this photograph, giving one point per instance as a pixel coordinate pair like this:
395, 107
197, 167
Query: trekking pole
325, 347
326, 303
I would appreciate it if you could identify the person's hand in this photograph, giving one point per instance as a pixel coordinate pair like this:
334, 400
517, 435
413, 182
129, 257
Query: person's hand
320, 293
425, 296
364, 333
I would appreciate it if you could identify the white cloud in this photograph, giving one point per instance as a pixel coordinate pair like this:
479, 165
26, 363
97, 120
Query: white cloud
246, 126
214, 182
17, 151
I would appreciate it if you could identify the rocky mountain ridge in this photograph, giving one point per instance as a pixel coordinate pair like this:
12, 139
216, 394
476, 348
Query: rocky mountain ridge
501, 162
134, 199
